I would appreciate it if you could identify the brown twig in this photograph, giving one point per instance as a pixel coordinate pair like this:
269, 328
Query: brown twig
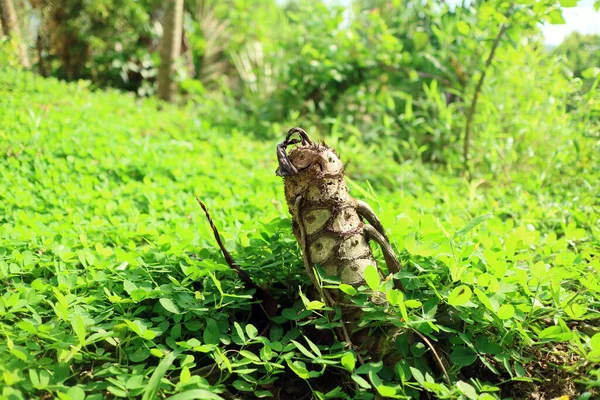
435, 355
473, 107
269, 304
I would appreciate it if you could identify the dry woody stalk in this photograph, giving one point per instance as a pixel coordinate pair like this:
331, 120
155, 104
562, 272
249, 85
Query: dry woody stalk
328, 223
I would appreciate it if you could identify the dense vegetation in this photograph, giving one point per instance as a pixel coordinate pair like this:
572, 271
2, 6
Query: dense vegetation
110, 281
426, 81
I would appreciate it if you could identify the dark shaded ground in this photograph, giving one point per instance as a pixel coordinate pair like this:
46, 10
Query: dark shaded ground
554, 371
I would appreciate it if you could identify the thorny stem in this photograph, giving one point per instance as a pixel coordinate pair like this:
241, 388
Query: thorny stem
473, 107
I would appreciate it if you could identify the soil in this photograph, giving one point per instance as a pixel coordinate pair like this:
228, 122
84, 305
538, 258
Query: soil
554, 371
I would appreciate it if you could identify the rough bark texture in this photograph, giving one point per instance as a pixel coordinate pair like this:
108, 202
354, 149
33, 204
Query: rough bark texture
10, 27
328, 223
170, 48
335, 238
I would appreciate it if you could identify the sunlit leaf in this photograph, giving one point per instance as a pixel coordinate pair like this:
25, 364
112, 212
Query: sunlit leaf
160, 371
505, 311
460, 295
372, 277
348, 361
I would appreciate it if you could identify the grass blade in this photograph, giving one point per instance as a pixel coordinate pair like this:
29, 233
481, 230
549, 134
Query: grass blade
158, 374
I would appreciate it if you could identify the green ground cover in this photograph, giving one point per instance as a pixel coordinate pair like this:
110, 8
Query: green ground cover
111, 284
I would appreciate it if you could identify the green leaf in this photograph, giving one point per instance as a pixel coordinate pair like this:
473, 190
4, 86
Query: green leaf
519, 370
263, 393
211, 333
348, 361
78, 325
412, 303
460, 295
251, 331
303, 349
484, 345
157, 353
462, 356
463, 28
505, 311
266, 353
374, 367
315, 305
418, 375
290, 314
151, 390
556, 18
169, 305
242, 385
594, 356
347, 289
313, 347
362, 382
176, 331
420, 39
139, 355
410, 243
595, 341
372, 277
195, 394
467, 390
116, 391
556, 333
336, 393
484, 299
249, 355
239, 331
299, 368
590, 73
185, 375
597, 5
472, 224
568, 3
393, 296
76, 393
386, 391
148, 334
34, 378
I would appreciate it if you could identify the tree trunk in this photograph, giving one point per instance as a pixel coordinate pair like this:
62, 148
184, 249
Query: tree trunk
10, 27
39, 46
170, 48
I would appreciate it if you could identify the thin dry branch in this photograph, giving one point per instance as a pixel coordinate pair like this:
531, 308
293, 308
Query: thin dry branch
268, 302
473, 107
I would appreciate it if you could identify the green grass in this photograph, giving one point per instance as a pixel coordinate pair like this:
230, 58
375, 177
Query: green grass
111, 284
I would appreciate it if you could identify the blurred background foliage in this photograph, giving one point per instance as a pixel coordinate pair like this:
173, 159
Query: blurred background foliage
465, 86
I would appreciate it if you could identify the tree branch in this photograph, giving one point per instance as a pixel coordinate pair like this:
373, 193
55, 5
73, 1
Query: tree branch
473, 107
